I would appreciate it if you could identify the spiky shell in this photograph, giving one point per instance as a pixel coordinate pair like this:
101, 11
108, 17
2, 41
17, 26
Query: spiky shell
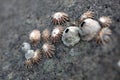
37, 56
104, 35
28, 63
88, 14
29, 54
48, 49
105, 21
89, 29
46, 35
59, 18
56, 33
35, 36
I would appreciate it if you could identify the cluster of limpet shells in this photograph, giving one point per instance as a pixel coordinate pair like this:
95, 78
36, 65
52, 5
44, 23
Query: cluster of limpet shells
33, 57
49, 39
88, 29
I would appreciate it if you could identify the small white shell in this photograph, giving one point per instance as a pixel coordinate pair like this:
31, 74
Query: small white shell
71, 36
89, 29
29, 54
26, 46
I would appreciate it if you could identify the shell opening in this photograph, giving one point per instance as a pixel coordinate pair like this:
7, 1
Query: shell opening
82, 24
66, 31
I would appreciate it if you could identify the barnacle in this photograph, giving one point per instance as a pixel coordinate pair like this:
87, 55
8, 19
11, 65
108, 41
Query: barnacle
57, 33
35, 36
28, 63
60, 18
37, 56
104, 35
89, 29
32, 57
86, 29
71, 36
88, 14
105, 20
28, 55
48, 49
46, 35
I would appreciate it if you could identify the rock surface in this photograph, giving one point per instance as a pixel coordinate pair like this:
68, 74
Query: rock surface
84, 61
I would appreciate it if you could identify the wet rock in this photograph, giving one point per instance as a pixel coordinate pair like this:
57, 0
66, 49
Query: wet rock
48, 65
84, 61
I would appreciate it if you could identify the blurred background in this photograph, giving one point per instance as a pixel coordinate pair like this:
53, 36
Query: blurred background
84, 61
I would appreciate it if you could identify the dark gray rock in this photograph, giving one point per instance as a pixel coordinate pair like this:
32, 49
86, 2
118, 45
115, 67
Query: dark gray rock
84, 61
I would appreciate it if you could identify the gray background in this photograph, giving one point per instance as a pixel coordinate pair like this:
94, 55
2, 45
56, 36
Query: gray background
84, 61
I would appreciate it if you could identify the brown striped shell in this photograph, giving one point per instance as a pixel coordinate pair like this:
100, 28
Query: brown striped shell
28, 63
59, 18
35, 36
56, 33
46, 35
37, 56
48, 49
105, 21
88, 14
104, 36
